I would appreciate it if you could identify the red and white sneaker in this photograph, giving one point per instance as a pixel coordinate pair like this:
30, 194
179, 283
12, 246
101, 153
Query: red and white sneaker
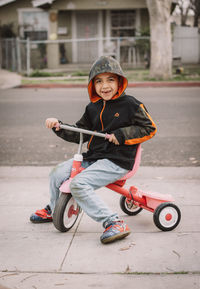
42, 216
115, 231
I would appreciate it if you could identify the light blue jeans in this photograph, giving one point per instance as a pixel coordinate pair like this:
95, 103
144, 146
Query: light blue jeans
96, 175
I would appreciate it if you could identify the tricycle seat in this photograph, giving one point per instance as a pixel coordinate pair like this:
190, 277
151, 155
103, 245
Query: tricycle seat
131, 173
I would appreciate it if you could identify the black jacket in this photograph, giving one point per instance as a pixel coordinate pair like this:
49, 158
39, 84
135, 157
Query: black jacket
126, 117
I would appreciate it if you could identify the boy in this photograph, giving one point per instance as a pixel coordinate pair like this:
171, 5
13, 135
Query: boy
110, 111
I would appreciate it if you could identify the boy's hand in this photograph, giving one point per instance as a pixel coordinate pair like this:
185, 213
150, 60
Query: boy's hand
52, 122
113, 139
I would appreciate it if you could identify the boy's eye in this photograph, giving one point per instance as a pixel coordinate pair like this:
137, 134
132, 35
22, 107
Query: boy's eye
112, 79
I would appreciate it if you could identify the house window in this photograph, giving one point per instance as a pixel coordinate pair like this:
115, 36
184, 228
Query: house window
123, 23
34, 24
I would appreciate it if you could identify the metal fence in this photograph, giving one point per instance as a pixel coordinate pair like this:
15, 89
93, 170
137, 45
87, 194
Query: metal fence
24, 56
14, 54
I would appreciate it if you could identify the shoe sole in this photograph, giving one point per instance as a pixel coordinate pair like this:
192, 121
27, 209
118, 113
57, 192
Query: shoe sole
42, 221
116, 237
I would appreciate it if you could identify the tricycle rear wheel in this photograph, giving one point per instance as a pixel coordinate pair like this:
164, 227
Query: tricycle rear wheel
129, 207
167, 216
66, 212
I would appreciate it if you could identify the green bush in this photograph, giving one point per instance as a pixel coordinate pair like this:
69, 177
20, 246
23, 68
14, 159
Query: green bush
38, 73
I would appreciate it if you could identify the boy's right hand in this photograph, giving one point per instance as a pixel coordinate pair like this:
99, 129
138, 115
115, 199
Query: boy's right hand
52, 122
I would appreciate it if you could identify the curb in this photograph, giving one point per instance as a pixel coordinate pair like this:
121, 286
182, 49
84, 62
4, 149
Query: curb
136, 84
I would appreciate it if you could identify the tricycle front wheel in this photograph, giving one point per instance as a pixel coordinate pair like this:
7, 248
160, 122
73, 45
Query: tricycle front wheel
66, 212
167, 216
129, 207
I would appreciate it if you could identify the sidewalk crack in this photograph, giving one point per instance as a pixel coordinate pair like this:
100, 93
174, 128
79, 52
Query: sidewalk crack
70, 244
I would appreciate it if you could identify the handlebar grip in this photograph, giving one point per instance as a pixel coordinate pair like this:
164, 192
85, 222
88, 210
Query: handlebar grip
107, 136
57, 125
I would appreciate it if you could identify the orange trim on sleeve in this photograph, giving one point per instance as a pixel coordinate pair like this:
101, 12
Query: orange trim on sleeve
146, 137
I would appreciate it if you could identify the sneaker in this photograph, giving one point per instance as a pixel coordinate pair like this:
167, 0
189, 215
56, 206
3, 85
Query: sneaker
115, 231
42, 216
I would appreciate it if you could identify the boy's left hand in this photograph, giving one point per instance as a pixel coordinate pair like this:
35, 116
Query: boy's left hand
113, 139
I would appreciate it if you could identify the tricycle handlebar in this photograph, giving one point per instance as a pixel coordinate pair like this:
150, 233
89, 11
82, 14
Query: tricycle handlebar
84, 131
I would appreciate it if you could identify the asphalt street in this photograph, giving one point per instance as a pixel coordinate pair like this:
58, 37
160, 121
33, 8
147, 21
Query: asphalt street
24, 140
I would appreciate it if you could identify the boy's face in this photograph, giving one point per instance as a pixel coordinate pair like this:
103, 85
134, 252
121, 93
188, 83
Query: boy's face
106, 85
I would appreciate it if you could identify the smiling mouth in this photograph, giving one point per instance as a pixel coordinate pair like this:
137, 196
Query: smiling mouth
106, 92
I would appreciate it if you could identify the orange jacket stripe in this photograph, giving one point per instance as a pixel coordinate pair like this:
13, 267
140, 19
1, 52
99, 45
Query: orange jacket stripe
102, 126
146, 137
90, 141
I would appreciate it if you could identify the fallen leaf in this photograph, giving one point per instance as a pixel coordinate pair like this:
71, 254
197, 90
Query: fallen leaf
128, 247
127, 269
125, 248
176, 253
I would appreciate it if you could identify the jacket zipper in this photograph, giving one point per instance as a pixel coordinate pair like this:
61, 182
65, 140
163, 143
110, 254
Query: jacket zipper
102, 126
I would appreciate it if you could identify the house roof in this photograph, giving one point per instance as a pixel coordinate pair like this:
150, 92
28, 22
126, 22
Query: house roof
4, 2
35, 3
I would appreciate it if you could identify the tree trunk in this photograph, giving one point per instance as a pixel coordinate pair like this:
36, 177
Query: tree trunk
161, 44
196, 9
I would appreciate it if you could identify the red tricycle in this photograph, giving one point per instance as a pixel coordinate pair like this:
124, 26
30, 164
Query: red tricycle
166, 215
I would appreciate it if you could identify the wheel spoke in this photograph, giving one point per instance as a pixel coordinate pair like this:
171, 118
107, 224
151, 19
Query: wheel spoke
129, 207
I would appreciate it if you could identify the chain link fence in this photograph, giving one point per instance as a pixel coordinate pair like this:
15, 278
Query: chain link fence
24, 56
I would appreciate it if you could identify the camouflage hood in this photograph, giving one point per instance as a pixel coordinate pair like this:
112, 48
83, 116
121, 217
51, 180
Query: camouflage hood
106, 64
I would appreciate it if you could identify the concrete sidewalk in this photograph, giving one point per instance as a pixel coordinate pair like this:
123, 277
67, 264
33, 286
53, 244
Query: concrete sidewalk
9, 79
38, 256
